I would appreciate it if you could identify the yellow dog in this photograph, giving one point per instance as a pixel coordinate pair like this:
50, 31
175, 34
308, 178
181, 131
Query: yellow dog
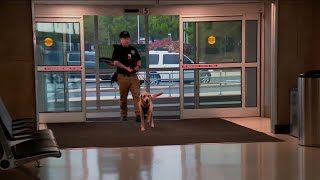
146, 108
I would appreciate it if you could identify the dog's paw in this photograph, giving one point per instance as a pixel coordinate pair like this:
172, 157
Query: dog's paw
152, 125
143, 129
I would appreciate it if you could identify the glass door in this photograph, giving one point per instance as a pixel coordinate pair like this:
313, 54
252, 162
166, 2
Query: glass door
156, 38
220, 67
59, 69
101, 34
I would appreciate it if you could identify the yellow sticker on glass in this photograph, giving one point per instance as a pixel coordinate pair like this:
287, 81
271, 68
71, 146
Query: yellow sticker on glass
211, 40
48, 42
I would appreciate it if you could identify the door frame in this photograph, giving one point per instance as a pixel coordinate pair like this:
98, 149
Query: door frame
61, 117
225, 112
201, 10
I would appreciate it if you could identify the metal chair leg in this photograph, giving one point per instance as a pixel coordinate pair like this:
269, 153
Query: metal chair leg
38, 164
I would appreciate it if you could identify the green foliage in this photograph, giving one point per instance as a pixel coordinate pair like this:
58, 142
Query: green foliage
88, 28
228, 34
161, 26
111, 26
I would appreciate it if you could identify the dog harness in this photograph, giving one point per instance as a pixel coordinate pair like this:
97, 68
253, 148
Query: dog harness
145, 109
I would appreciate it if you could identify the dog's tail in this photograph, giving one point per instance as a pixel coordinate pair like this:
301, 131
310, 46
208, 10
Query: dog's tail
157, 94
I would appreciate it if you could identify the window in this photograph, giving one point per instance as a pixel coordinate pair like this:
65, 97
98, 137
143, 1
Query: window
74, 57
171, 59
227, 47
251, 41
90, 57
90, 61
154, 59
186, 60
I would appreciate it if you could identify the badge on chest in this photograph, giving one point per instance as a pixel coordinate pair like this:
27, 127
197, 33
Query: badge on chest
132, 53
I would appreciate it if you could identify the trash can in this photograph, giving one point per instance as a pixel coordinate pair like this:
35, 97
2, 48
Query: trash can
309, 108
294, 108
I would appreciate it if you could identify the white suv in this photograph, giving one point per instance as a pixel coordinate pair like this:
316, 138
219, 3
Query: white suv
165, 59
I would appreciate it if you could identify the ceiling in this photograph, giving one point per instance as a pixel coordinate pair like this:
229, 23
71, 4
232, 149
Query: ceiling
143, 2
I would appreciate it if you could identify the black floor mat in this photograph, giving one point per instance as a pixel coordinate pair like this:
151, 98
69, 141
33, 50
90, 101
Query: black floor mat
166, 132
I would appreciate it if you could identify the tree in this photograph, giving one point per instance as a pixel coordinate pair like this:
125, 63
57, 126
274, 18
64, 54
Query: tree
88, 28
160, 26
111, 26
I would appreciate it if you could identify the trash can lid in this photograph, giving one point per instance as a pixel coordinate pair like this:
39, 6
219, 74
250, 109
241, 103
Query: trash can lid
311, 74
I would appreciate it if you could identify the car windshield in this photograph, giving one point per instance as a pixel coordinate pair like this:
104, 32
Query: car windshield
171, 59
153, 59
174, 59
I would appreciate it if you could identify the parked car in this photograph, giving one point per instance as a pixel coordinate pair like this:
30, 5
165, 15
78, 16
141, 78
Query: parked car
90, 63
165, 59
157, 60
73, 59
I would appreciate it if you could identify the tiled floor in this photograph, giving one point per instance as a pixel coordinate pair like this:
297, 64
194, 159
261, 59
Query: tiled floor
253, 161
261, 124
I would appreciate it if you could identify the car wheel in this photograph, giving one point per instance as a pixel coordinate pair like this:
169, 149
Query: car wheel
205, 78
154, 79
59, 78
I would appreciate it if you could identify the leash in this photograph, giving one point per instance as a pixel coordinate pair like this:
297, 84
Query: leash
142, 77
106, 60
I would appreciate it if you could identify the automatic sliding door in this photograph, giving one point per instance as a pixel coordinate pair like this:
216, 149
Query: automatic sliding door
59, 57
222, 91
101, 34
220, 67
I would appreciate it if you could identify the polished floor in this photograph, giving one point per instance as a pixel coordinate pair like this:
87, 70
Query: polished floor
254, 161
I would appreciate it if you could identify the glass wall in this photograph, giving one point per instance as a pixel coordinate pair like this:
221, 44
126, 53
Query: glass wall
57, 45
59, 96
218, 41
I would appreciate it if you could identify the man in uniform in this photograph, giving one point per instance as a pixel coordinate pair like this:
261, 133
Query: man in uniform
128, 62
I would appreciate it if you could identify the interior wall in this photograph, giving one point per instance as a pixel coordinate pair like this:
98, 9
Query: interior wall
316, 34
16, 58
267, 61
145, 2
294, 51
